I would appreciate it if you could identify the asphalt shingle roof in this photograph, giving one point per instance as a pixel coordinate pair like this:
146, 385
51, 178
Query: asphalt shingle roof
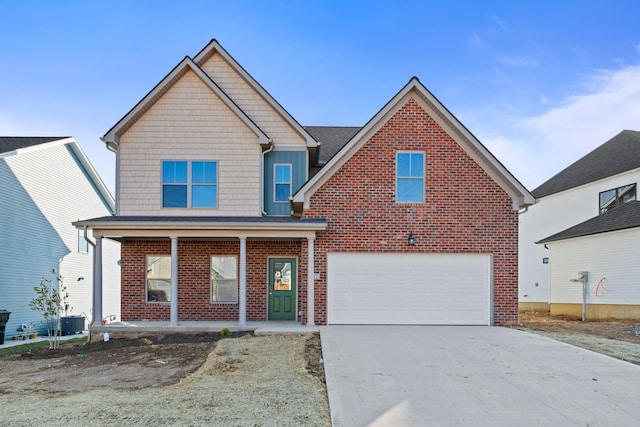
331, 139
620, 218
620, 154
12, 143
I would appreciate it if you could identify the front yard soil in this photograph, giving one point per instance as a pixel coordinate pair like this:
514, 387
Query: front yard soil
615, 338
190, 379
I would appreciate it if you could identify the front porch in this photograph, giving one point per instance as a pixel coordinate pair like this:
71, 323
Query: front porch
145, 327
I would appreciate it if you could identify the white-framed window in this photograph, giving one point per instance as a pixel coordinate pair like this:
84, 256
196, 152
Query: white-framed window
224, 279
83, 245
158, 278
189, 184
410, 177
281, 182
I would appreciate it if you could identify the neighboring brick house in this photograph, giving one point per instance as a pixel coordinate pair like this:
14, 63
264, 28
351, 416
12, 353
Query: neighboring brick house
228, 209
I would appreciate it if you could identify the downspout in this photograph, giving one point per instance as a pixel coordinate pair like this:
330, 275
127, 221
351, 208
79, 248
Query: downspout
268, 150
111, 148
93, 245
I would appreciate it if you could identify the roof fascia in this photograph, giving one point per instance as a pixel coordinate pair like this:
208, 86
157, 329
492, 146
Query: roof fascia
215, 47
111, 138
519, 194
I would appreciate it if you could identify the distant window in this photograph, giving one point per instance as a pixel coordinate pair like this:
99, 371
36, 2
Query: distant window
158, 280
282, 182
615, 197
189, 184
410, 177
83, 245
224, 279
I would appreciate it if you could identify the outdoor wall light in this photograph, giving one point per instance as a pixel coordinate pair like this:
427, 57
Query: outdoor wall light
412, 240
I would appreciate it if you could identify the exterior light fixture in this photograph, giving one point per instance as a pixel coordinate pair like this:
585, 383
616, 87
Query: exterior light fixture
412, 240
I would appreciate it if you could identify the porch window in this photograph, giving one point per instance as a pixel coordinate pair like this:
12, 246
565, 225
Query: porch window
224, 279
282, 182
410, 177
158, 280
189, 184
617, 197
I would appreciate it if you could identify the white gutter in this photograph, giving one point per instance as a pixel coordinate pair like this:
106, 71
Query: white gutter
268, 150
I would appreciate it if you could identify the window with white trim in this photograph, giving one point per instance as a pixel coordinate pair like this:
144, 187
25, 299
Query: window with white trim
158, 278
410, 177
615, 197
224, 279
281, 182
189, 184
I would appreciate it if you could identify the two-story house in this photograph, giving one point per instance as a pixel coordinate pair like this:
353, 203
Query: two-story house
47, 183
229, 209
583, 223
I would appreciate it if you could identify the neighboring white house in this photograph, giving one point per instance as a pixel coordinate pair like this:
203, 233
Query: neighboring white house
605, 251
597, 183
46, 184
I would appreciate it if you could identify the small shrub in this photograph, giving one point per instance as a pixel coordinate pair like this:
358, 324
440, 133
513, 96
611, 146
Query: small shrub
225, 332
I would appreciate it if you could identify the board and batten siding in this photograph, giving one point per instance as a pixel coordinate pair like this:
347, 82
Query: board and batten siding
189, 122
298, 162
613, 256
47, 189
257, 108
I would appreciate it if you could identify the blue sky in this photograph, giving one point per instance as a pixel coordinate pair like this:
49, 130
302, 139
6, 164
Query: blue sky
540, 83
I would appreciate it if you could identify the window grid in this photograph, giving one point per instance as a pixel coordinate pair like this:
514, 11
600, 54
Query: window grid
410, 169
281, 182
189, 184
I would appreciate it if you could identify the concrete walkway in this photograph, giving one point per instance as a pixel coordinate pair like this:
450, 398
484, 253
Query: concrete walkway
456, 376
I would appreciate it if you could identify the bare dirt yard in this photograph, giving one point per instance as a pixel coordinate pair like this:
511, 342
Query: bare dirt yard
615, 338
197, 379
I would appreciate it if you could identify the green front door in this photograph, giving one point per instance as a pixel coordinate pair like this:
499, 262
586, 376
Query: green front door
282, 289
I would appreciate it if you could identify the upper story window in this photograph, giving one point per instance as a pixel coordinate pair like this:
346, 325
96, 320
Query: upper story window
189, 184
410, 177
616, 197
282, 182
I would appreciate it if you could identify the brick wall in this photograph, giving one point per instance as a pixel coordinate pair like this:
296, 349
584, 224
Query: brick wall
194, 263
465, 211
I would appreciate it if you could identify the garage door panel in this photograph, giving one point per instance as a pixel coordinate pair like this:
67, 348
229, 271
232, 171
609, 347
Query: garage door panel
393, 288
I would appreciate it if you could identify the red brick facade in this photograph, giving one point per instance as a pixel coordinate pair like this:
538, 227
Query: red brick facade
465, 211
194, 266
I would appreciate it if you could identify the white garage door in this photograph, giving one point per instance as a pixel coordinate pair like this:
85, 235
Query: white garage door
419, 289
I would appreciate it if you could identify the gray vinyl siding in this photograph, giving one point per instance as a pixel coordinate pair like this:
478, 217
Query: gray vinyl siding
298, 161
43, 190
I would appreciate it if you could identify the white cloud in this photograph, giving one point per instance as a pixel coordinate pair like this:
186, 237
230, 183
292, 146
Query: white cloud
535, 148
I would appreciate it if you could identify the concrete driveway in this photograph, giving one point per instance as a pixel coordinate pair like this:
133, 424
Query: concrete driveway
476, 375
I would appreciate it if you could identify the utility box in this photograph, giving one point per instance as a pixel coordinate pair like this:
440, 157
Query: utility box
70, 325
4, 318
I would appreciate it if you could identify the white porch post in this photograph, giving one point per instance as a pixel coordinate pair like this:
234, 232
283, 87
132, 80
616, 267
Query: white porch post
173, 316
310, 283
97, 282
242, 297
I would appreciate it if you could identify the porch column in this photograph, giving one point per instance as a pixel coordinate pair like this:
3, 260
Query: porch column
97, 282
173, 316
242, 297
310, 283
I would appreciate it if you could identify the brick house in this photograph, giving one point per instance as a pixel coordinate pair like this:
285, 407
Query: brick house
228, 209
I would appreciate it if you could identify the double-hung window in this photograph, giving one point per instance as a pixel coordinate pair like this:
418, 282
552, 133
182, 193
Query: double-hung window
409, 177
282, 182
158, 280
189, 184
224, 279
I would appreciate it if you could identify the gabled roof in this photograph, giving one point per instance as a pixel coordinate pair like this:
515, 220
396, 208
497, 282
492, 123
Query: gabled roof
331, 139
112, 136
620, 218
214, 47
620, 154
467, 141
15, 145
